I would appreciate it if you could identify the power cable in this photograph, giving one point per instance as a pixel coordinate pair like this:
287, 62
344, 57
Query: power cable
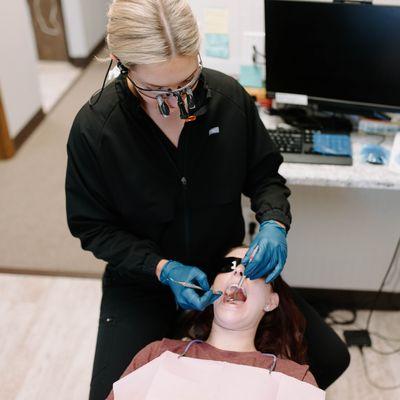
395, 254
367, 376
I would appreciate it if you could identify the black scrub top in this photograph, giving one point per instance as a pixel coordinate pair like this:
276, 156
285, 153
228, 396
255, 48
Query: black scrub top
133, 198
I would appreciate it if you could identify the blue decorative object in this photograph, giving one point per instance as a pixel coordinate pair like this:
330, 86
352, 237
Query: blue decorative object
374, 154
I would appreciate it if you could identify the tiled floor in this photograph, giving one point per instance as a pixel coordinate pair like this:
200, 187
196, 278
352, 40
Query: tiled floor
48, 335
55, 77
383, 370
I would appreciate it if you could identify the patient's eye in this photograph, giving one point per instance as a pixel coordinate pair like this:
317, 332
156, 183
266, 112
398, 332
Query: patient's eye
228, 264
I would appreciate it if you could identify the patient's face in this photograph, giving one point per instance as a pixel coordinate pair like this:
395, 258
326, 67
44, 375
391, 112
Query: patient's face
239, 314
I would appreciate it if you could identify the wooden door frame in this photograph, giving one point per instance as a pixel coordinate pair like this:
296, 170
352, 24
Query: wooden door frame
7, 148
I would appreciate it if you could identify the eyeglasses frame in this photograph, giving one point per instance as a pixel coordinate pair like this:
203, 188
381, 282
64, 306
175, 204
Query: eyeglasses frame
168, 92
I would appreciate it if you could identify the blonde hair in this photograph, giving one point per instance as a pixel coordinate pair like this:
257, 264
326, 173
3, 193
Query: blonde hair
151, 31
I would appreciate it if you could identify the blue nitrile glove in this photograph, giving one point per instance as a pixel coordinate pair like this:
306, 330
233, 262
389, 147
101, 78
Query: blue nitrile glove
187, 298
271, 255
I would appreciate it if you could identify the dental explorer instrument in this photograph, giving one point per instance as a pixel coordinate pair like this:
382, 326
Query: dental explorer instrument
188, 285
233, 290
252, 255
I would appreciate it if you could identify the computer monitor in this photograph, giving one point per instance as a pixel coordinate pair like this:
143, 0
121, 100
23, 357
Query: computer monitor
337, 54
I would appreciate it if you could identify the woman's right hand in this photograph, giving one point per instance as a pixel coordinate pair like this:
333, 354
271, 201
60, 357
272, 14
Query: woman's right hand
187, 298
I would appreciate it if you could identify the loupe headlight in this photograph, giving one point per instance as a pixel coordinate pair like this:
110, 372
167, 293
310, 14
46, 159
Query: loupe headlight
190, 99
164, 108
181, 104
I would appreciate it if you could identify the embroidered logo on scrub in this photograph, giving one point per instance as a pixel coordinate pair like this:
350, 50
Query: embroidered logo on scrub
213, 131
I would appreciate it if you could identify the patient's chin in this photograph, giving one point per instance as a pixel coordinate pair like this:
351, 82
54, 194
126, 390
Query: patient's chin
238, 315
231, 323
231, 315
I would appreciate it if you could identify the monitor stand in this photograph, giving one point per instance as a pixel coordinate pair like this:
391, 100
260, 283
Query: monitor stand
306, 118
352, 109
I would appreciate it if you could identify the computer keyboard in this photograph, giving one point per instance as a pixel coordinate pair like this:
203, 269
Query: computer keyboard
315, 147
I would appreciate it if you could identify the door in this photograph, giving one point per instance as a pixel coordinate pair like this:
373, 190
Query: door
7, 148
48, 25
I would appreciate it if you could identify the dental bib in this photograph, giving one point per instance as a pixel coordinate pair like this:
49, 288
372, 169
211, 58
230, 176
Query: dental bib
173, 377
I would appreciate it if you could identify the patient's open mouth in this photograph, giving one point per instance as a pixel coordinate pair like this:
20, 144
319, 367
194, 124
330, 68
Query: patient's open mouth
234, 294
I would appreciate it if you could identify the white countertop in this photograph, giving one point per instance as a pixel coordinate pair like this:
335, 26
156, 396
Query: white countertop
358, 175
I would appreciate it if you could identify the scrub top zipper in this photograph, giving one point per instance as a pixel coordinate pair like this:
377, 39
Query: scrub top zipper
185, 205
184, 182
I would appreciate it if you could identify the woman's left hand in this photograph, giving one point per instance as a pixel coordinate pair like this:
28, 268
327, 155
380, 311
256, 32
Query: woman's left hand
270, 249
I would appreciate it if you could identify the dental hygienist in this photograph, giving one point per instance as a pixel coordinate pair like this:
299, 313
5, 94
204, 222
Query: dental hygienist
157, 163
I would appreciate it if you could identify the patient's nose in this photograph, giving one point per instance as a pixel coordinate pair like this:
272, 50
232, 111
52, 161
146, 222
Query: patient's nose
238, 275
240, 269
235, 290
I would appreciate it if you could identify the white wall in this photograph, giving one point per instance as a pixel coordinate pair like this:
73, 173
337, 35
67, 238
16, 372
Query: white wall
341, 238
18, 68
85, 25
246, 28
244, 17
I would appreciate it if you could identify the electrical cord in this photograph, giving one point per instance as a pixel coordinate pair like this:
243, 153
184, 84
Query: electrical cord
385, 353
331, 320
102, 87
384, 338
334, 321
257, 53
387, 340
394, 257
367, 376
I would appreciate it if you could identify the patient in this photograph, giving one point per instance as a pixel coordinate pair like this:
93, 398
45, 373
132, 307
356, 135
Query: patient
241, 326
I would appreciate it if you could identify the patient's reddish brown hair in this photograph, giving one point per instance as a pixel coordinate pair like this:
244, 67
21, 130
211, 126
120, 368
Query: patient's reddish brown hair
280, 332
